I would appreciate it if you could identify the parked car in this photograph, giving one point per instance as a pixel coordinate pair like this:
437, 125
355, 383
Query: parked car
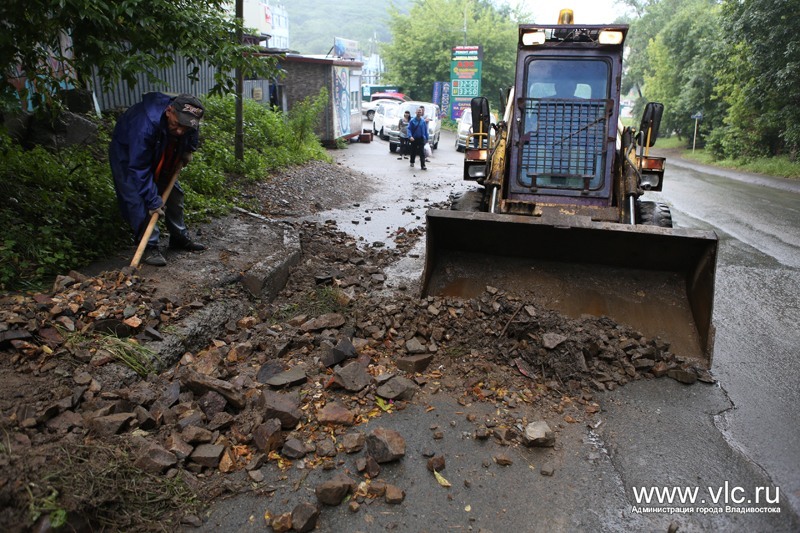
465, 128
385, 114
431, 115
368, 108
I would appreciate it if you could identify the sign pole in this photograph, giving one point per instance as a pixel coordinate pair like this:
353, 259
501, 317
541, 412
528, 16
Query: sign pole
694, 141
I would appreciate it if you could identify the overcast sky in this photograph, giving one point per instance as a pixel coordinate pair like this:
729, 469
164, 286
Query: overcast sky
586, 11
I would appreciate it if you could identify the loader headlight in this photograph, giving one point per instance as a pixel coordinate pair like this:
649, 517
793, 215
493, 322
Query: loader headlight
476, 171
532, 38
650, 180
610, 37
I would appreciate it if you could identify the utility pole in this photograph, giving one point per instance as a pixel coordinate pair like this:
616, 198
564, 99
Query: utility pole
465, 23
238, 141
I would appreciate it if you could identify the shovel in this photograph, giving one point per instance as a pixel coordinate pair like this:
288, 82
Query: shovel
154, 219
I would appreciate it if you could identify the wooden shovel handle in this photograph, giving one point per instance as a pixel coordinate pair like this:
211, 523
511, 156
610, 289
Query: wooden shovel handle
154, 219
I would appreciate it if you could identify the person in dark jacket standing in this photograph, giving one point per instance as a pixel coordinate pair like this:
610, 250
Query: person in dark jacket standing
150, 140
418, 136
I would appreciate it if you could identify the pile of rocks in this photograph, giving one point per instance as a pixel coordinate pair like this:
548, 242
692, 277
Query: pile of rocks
279, 386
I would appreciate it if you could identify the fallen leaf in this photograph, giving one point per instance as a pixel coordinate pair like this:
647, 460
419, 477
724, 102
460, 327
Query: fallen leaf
383, 404
442, 481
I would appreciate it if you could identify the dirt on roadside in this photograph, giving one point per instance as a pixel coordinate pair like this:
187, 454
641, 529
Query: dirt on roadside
93, 422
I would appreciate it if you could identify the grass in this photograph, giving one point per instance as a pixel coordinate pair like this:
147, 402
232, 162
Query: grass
779, 166
323, 299
128, 352
101, 484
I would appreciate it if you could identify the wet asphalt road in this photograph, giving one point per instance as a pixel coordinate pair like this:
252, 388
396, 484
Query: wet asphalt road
726, 440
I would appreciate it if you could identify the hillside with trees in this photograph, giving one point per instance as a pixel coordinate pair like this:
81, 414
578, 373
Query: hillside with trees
313, 29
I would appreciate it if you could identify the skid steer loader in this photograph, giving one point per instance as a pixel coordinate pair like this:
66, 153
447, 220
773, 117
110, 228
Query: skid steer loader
560, 214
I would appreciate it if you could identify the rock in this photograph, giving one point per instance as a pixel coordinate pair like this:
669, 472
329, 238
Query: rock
326, 448
196, 435
414, 363
200, 383
686, 377
220, 421
547, 470
109, 425
333, 491
343, 350
175, 444
267, 436
394, 494
436, 463
207, 455
368, 466
304, 517
353, 377
293, 448
386, 445
503, 459
212, 403
334, 413
269, 370
284, 407
551, 340
282, 523
539, 434
415, 346
326, 321
353, 442
291, 377
398, 388
156, 459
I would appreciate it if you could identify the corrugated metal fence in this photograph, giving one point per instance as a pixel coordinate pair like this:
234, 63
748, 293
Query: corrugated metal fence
176, 78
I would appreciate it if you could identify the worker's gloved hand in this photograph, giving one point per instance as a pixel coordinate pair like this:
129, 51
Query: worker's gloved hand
158, 210
187, 158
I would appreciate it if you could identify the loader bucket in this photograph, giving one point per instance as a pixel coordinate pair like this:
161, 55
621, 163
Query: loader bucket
659, 281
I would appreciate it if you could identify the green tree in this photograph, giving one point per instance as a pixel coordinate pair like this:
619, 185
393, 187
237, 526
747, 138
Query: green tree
680, 70
760, 78
420, 51
120, 39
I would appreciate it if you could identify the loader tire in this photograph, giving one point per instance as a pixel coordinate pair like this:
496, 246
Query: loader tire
468, 201
653, 214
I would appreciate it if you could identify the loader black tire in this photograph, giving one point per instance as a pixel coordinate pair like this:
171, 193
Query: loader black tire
469, 201
653, 214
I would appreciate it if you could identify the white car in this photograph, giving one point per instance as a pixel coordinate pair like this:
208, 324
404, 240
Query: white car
431, 115
385, 114
368, 108
465, 128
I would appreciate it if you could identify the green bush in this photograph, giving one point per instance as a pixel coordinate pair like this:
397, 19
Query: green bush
60, 210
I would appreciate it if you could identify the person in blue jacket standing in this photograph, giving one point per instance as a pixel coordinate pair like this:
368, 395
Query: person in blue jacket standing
150, 140
418, 136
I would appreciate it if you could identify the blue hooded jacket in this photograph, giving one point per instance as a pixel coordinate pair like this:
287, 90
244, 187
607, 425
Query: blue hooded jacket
140, 138
418, 128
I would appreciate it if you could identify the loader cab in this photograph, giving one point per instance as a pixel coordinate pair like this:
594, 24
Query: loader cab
563, 139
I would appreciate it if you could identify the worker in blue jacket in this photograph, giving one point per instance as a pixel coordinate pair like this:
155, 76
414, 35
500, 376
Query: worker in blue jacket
150, 140
418, 136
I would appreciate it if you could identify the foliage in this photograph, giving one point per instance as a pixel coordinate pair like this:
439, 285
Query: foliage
420, 51
61, 210
56, 205
120, 40
681, 73
736, 62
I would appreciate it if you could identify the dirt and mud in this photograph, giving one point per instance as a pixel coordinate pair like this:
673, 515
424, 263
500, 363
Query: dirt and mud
100, 435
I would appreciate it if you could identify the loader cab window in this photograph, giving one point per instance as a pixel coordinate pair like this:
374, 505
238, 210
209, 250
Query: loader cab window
564, 121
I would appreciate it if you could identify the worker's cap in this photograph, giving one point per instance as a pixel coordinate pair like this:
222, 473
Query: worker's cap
189, 110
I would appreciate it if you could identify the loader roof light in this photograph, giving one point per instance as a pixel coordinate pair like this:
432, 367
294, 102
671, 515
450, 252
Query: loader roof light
610, 37
532, 38
565, 16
